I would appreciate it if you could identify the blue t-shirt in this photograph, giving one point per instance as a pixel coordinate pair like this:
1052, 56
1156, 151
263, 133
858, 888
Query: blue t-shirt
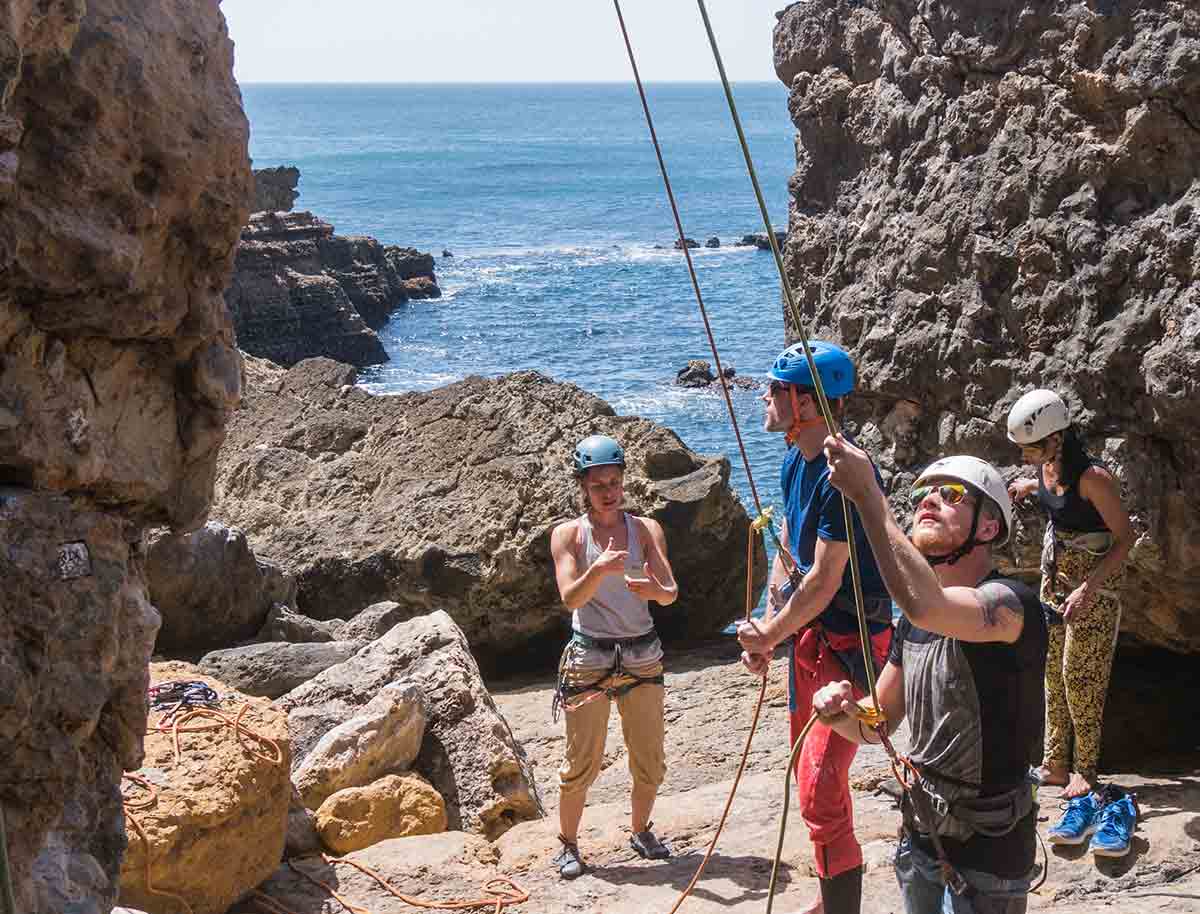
813, 508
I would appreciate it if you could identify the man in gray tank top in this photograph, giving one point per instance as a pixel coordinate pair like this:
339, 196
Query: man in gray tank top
965, 669
609, 564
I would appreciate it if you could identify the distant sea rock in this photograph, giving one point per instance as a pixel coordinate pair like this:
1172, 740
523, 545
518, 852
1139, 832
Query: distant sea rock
761, 241
698, 373
299, 290
275, 189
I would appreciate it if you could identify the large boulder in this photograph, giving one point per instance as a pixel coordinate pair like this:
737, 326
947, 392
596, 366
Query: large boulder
123, 183
282, 624
989, 200
382, 737
299, 290
392, 807
274, 668
211, 590
468, 752
216, 822
446, 499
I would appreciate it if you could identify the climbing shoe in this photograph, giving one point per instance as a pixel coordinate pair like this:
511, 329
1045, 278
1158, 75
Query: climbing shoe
647, 845
568, 861
1115, 824
1077, 823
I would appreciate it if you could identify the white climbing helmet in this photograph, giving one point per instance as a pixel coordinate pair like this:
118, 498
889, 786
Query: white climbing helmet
1037, 414
980, 476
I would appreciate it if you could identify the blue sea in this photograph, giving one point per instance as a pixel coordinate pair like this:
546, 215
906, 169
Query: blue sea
549, 197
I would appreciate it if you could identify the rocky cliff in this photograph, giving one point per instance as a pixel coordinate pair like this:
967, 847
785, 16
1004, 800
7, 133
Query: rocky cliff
446, 499
124, 181
993, 197
300, 291
275, 189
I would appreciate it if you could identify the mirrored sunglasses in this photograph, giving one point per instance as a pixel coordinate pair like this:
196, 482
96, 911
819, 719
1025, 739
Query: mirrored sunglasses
951, 493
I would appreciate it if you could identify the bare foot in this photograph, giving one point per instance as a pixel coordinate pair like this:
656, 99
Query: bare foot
1052, 777
1078, 786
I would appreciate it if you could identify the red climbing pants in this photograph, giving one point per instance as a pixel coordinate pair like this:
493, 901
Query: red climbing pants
823, 768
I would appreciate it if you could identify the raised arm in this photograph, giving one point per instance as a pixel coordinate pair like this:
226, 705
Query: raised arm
990, 612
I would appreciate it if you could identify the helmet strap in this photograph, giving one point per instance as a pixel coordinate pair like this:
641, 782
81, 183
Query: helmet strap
798, 425
968, 544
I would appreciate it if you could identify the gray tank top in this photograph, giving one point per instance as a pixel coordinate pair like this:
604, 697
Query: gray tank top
614, 611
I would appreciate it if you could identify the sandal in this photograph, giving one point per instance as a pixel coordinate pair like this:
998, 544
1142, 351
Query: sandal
568, 861
648, 846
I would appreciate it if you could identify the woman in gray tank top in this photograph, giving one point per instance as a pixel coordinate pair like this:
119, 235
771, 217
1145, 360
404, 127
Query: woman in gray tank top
609, 564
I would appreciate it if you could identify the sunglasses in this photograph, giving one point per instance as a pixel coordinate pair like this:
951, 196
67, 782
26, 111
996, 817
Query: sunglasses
776, 387
951, 493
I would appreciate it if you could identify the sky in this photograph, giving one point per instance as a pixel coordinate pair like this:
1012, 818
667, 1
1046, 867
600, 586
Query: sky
495, 40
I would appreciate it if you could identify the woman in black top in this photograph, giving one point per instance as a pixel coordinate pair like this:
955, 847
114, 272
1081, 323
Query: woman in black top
1088, 538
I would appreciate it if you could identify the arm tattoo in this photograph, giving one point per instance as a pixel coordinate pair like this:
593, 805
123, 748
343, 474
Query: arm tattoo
999, 604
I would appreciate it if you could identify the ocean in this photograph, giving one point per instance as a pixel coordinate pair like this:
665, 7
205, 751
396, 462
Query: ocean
550, 199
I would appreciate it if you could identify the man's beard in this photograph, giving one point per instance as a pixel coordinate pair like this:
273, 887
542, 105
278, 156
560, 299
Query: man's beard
932, 541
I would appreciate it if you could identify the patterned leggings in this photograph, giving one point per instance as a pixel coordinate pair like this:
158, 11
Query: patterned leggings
1078, 665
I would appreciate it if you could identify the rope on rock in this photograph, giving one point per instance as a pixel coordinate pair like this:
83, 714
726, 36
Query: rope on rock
196, 700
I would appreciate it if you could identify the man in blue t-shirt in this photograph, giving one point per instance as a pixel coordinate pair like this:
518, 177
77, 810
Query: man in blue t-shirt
815, 610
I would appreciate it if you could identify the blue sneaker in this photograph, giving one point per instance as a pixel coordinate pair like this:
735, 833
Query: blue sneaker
1116, 822
1078, 822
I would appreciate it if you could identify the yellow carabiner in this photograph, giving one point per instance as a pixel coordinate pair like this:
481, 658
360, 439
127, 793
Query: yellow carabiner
763, 520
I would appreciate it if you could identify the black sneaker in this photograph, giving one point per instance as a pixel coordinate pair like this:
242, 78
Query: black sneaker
568, 861
648, 846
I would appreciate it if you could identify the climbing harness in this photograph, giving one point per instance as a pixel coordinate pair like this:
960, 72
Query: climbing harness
620, 681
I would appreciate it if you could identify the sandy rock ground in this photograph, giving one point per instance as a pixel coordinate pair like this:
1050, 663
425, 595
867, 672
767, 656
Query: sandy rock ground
710, 702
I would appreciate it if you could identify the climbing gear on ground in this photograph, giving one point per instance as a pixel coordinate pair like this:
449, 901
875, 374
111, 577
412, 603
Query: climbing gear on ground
1078, 822
1036, 415
175, 695
567, 694
985, 481
1115, 823
648, 846
842, 894
834, 366
598, 451
568, 861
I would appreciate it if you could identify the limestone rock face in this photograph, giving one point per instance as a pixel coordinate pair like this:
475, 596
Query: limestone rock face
124, 178
299, 290
275, 189
989, 200
384, 736
211, 590
467, 752
392, 807
216, 828
123, 184
76, 632
274, 668
447, 499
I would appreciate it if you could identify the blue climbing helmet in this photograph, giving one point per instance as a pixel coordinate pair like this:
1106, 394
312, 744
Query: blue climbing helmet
834, 365
598, 451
